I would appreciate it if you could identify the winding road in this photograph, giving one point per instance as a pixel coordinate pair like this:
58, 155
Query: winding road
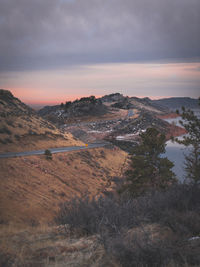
53, 150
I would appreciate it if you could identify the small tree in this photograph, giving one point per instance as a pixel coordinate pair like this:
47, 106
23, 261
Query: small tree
48, 154
192, 160
147, 169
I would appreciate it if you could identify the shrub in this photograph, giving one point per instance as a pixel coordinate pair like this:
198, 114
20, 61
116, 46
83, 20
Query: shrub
5, 130
48, 154
151, 230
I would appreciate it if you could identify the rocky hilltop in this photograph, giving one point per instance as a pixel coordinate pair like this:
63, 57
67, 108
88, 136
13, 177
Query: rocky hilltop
82, 108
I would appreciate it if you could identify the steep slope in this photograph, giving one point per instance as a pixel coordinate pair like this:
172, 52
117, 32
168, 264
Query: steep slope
22, 129
31, 188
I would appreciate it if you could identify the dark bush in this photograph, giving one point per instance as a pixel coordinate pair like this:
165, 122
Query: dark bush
5, 130
17, 137
124, 225
48, 154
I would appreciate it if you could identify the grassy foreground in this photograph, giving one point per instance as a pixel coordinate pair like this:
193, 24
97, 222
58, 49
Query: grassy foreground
158, 229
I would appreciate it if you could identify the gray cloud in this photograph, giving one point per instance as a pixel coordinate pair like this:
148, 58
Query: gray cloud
45, 34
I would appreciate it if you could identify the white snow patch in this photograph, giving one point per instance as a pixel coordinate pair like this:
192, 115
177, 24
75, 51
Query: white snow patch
193, 238
120, 137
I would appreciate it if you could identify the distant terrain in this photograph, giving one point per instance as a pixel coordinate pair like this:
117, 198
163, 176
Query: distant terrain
113, 117
174, 103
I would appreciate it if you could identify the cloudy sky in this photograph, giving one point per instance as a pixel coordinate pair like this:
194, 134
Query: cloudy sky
53, 50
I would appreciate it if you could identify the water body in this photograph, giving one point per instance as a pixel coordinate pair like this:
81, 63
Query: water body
175, 152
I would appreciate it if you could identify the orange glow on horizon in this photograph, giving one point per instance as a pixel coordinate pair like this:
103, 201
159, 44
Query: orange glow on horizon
151, 80
25, 95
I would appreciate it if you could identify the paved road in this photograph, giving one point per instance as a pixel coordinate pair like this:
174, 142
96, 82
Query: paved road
53, 150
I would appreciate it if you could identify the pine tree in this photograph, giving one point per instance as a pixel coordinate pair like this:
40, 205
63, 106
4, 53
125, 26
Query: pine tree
192, 140
147, 169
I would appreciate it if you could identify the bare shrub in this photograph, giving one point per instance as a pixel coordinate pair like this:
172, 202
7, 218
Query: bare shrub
123, 225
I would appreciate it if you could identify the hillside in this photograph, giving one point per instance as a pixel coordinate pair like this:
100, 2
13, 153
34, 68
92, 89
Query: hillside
174, 103
22, 129
74, 111
120, 121
31, 188
141, 104
93, 109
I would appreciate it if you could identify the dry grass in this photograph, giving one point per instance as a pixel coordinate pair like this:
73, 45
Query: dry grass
31, 188
22, 129
46, 246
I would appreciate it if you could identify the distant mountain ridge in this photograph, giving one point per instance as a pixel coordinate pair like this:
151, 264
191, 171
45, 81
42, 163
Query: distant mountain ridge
174, 103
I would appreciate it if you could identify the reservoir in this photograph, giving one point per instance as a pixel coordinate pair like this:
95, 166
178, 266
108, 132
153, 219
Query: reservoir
175, 152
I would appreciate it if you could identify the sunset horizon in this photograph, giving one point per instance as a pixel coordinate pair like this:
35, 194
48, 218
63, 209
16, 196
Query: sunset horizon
52, 50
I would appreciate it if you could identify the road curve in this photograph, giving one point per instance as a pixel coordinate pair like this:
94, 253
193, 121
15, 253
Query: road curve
53, 150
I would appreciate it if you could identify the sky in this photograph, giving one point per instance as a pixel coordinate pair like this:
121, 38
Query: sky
57, 50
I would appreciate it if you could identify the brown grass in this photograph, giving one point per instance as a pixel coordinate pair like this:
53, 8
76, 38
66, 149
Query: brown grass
46, 246
22, 129
31, 188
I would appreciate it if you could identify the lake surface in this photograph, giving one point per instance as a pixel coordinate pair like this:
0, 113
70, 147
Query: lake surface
175, 152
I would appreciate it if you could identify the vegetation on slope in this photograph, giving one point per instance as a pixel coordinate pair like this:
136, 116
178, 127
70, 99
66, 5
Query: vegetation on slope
19, 124
32, 187
191, 123
156, 229
158, 224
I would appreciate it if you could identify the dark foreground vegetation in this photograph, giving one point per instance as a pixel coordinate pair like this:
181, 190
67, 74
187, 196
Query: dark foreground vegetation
157, 229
